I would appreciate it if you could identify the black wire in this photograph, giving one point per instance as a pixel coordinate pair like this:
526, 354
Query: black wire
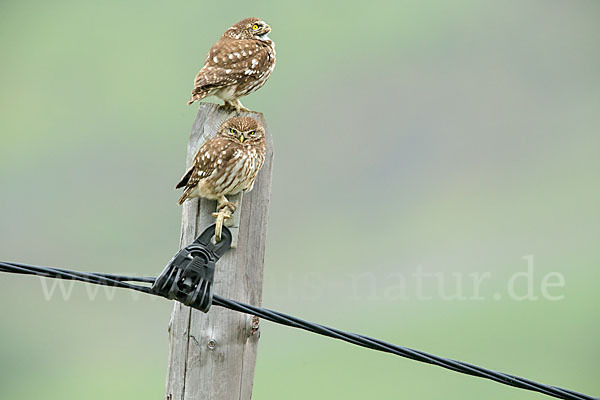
375, 344
288, 320
98, 279
146, 279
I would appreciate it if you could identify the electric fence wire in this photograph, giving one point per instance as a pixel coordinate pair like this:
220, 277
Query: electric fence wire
291, 321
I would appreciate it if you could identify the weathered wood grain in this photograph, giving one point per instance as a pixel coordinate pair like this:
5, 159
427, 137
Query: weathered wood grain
212, 356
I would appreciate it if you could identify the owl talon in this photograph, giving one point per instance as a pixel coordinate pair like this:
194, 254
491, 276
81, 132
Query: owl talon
228, 107
235, 105
223, 214
231, 206
225, 211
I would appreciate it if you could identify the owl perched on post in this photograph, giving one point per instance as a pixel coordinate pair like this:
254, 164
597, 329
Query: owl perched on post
228, 163
237, 65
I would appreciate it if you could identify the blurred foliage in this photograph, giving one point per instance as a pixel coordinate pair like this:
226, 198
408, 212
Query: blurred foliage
456, 136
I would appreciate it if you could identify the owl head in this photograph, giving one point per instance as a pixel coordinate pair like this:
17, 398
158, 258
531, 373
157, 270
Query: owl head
249, 28
244, 130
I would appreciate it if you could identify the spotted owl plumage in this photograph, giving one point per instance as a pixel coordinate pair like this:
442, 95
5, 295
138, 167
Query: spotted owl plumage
227, 163
237, 65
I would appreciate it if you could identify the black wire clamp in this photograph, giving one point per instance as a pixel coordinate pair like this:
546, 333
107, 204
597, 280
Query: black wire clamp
188, 277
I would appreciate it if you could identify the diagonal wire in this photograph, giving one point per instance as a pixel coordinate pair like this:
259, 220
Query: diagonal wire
288, 320
375, 344
98, 279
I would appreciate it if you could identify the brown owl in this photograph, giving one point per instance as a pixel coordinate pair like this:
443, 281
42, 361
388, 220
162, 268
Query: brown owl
227, 163
237, 65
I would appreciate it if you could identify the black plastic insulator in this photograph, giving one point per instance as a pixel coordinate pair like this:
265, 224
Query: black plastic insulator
188, 277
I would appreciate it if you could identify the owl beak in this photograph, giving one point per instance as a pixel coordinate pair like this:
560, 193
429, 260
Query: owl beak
241, 138
265, 31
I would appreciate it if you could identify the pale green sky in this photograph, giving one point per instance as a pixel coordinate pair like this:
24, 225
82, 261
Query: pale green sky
455, 137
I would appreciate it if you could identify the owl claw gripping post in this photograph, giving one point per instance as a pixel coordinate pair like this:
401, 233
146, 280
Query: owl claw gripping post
237, 65
226, 164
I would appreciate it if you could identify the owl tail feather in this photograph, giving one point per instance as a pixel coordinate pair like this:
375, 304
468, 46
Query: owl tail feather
184, 196
183, 183
198, 94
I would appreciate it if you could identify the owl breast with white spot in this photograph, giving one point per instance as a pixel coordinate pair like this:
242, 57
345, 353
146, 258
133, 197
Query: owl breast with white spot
227, 163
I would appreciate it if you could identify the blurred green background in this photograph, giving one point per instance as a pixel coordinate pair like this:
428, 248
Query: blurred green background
456, 137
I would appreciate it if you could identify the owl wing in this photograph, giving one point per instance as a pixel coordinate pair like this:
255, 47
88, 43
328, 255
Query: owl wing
231, 61
203, 166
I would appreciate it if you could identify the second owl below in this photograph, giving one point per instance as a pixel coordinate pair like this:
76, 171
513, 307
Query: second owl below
227, 163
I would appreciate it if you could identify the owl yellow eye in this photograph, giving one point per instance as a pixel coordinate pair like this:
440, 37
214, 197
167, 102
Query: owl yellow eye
232, 131
254, 27
252, 133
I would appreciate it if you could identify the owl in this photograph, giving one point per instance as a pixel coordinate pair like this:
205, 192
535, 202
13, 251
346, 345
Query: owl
237, 65
226, 164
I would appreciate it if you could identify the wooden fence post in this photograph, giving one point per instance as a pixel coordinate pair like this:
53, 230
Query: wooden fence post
212, 356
